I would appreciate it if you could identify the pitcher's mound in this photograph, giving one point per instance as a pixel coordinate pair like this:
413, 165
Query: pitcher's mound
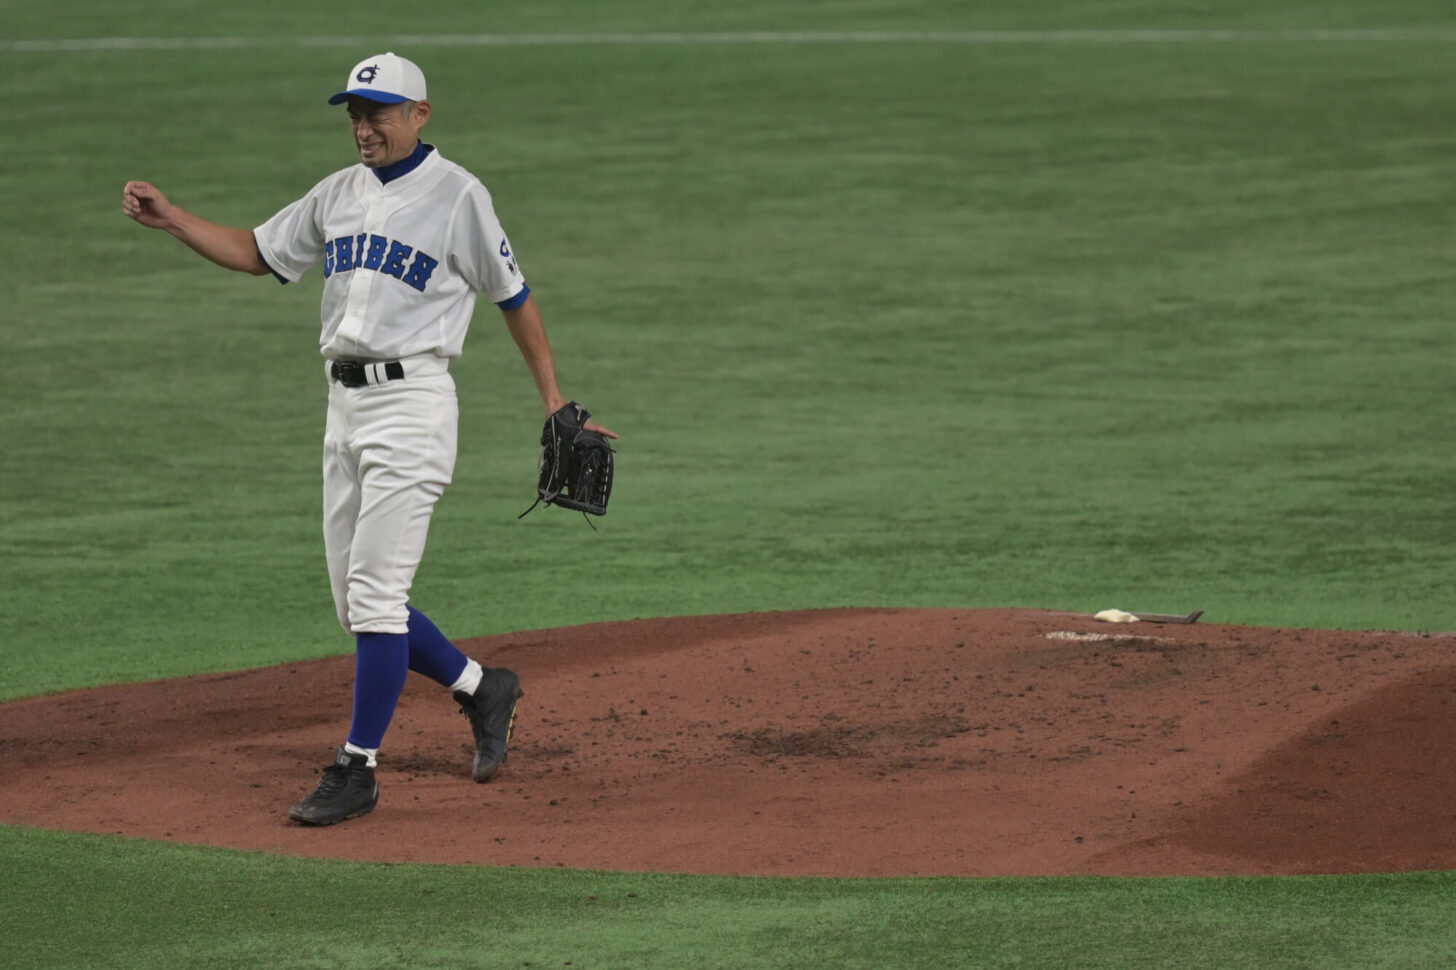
835, 742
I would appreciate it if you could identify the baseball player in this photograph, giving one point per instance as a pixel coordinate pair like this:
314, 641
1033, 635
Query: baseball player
407, 240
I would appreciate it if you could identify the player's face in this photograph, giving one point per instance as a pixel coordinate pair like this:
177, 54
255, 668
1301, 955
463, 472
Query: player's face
386, 133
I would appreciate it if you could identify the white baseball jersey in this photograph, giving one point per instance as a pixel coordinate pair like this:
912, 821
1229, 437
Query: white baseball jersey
403, 260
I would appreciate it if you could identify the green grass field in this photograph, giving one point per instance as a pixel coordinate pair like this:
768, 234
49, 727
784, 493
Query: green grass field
1080, 321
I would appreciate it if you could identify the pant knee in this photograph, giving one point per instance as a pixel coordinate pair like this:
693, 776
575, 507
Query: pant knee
368, 615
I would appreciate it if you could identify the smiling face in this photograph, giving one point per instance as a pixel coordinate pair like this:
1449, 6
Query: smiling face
386, 133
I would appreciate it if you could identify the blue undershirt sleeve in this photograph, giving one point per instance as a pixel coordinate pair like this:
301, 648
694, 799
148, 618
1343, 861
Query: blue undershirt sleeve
516, 300
271, 269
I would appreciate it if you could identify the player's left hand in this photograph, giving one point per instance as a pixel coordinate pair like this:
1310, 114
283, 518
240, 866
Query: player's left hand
555, 405
593, 426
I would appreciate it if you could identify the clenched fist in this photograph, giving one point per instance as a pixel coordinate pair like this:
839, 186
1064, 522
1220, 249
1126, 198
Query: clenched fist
146, 204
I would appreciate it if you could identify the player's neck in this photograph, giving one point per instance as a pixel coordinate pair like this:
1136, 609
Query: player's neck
388, 173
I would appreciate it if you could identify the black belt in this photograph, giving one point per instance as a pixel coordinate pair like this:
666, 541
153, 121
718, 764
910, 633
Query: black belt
351, 373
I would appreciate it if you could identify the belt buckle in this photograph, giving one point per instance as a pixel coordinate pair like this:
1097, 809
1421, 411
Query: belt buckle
349, 373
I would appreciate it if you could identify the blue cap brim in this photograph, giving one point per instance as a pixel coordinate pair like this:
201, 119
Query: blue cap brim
367, 94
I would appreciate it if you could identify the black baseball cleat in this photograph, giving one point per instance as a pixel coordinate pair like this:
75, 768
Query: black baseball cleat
492, 713
346, 790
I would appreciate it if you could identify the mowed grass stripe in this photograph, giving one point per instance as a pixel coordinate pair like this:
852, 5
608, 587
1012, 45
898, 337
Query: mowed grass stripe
62, 45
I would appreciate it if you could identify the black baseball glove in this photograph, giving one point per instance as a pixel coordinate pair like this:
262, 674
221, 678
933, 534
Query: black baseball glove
576, 464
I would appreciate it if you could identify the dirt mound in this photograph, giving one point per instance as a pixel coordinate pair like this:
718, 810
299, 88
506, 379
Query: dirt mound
836, 742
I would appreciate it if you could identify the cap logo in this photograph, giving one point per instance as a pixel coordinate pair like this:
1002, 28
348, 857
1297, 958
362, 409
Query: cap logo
366, 75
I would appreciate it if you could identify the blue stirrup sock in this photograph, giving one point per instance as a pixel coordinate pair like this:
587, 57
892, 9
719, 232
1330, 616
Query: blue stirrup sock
381, 663
431, 653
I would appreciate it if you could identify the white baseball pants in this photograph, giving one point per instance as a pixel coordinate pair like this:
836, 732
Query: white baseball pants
389, 452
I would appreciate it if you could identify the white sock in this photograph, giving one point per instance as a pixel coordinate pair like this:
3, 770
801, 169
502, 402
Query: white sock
366, 752
469, 678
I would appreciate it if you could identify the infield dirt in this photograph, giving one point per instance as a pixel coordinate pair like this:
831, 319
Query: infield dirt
837, 742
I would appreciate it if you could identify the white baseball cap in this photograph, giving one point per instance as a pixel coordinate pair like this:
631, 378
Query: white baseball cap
387, 78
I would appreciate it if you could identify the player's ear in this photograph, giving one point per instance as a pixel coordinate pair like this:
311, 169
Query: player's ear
422, 111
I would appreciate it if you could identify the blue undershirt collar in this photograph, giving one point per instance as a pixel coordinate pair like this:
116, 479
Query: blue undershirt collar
404, 166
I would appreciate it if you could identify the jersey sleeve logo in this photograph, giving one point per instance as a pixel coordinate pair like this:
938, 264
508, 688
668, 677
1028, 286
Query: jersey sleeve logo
410, 266
505, 251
